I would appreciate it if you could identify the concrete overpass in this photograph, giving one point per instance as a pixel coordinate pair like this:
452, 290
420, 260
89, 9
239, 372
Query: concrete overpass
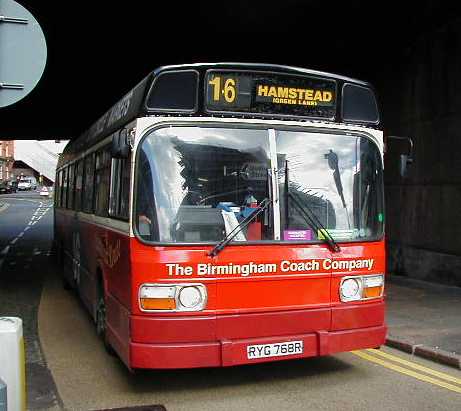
41, 156
97, 53
411, 53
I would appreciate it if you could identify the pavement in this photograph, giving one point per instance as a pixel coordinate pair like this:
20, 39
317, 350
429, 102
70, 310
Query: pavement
424, 319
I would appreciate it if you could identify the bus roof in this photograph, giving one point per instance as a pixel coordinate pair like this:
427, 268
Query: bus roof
246, 90
265, 67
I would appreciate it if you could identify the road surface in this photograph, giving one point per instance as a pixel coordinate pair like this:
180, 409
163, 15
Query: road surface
78, 374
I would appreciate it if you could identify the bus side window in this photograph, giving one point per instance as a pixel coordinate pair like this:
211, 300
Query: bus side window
88, 187
125, 188
102, 182
58, 189
114, 187
70, 186
64, 188
120, 188
78, 185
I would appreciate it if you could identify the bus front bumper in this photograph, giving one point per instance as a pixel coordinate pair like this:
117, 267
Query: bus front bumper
215, 341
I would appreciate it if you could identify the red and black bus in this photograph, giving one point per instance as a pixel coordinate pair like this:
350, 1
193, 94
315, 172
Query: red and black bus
223, 214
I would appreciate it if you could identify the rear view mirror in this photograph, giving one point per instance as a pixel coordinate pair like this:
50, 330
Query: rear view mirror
407, 158
120, 144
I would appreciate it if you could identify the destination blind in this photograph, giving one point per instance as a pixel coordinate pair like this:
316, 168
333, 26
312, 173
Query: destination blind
267, 93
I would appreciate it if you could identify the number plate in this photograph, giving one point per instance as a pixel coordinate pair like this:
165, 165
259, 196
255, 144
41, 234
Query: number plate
274, 350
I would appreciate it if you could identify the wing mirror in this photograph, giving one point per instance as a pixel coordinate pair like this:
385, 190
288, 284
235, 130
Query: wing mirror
121, 146
406, 159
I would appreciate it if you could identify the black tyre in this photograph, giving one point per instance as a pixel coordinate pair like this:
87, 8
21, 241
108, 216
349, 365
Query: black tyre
65, 283
60, 264
101, 323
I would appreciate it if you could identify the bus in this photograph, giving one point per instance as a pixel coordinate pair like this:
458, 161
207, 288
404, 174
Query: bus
228, 213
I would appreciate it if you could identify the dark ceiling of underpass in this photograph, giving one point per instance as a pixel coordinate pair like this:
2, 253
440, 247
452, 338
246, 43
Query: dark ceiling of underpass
97, 53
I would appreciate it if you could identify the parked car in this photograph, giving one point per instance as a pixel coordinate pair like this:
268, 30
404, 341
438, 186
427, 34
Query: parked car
44, 192
7, 187
4, 188
24, 185
29, 183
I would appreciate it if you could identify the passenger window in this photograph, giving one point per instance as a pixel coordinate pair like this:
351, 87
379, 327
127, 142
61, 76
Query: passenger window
102, 182
88, 188
78, 185
70, 188
120, 188
57, 198
125, 188
64, 188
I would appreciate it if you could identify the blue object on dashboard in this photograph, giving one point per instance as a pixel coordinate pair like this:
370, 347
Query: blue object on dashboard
226, 205
247, 211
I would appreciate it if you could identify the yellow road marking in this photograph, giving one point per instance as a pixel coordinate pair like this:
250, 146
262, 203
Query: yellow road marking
410, 373
416, 366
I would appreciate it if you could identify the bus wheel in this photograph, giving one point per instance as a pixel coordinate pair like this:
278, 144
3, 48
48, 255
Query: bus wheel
65, 283
61, 267
101, 323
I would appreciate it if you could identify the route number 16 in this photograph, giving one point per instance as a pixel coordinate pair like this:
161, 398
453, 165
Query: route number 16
228, 91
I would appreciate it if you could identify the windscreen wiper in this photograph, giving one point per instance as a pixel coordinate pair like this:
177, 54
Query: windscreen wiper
307, 214
314, 222
229, 237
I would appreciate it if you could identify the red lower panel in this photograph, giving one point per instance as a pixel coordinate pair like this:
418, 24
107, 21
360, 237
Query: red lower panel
356, 339
228, 327
347, 316
118, 327
272, 323
221, 340
175, 355
173, 329
233, 352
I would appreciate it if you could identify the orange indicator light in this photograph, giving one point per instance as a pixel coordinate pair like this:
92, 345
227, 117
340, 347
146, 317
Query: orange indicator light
158, 303
372, 292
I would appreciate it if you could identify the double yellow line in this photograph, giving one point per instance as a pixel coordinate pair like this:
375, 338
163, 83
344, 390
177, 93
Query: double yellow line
391, 362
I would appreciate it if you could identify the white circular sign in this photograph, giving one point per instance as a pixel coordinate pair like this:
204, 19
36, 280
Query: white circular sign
22, 52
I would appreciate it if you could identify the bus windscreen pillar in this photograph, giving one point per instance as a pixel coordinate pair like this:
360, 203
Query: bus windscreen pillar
12, 362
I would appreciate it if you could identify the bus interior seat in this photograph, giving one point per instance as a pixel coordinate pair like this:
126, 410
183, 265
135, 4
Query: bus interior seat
198, 223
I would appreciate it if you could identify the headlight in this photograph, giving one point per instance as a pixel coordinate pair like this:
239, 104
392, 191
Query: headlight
351, 289
172, 297
190, 297
361, 287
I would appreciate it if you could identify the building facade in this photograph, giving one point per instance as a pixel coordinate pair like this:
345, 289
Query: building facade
6, 160
29, 158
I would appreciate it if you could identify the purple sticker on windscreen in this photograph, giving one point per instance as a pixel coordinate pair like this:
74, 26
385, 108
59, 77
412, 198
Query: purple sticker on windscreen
297, 235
